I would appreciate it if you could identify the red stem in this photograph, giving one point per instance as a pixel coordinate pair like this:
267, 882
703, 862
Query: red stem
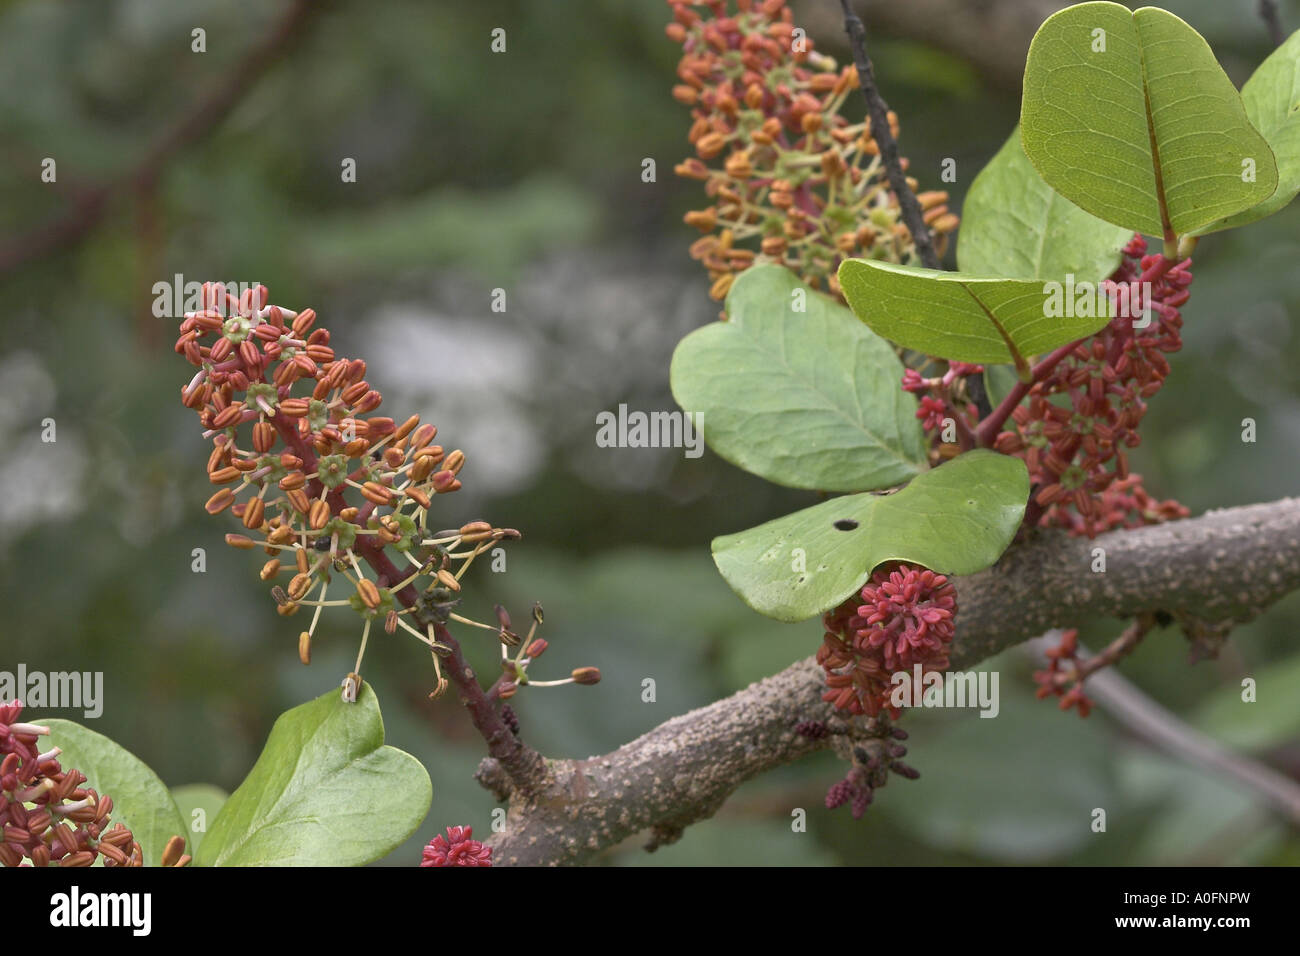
987, 431
524, 765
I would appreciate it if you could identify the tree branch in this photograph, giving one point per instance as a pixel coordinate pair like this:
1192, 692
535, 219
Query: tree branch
199, 119
1165, 731
1223, 566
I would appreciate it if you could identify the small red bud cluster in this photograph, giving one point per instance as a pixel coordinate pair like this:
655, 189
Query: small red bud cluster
871, 772
942, 397
901, 618
798, 182
1083, 415
46, 816
1062, 660
456, 849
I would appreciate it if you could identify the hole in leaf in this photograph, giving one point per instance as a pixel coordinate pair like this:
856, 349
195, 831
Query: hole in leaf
845, 524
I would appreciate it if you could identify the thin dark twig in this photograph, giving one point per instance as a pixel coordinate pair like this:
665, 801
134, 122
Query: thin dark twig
878, 111
1272, 18
201, 118
913, 218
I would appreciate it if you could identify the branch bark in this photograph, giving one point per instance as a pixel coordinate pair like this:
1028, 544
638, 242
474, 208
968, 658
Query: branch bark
1222, 567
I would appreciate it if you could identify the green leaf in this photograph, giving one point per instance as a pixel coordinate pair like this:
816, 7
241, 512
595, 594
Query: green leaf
141, 801
1272, 101
805, 399
953, 315
956, 519
1148, 133
199, 804
326, 791
1016, 226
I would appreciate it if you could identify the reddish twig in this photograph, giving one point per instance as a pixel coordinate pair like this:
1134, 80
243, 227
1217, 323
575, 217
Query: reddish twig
987, 430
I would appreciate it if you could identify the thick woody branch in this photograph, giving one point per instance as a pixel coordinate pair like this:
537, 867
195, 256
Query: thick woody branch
1223, 567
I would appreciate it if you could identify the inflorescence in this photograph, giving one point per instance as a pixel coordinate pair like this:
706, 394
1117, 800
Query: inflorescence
328, 489
798, 183
47, 817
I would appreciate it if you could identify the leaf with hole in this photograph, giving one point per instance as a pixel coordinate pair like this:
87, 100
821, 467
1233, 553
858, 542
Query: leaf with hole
956, 519
326, 791
1129, 116
1015, 225
806, 399
970, 318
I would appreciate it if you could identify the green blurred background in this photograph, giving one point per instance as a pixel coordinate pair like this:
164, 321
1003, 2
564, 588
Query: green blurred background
522, 171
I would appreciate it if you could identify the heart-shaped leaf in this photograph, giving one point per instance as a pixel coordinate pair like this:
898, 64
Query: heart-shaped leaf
953, 315
806, 399
326, 791
956, 519
1272, 101
141, 801
1015, 225
1129, 115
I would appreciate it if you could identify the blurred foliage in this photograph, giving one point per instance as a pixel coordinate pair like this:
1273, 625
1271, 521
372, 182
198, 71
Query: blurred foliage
522, 171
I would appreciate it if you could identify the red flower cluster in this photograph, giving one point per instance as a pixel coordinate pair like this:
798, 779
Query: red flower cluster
456, 849
941, 393
1075, 449
1062, 660
901, 618
798, 180
46, 816
324, 484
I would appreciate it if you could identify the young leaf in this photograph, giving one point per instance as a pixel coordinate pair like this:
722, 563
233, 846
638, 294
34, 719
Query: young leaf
199, 804
1272, 100
970, 318
1129, 115
326, 791
141, 801
806, 399
1016, 226
956, 519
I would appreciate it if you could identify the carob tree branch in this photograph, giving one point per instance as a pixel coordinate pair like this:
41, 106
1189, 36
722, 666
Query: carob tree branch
194, 123
1222, 567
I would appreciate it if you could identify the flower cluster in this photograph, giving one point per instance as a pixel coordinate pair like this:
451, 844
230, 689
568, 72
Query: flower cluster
456, 849
870, 771
797, 183
317, 480
47, 817
1060, 677
1084, 414
902, 617
938, 396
